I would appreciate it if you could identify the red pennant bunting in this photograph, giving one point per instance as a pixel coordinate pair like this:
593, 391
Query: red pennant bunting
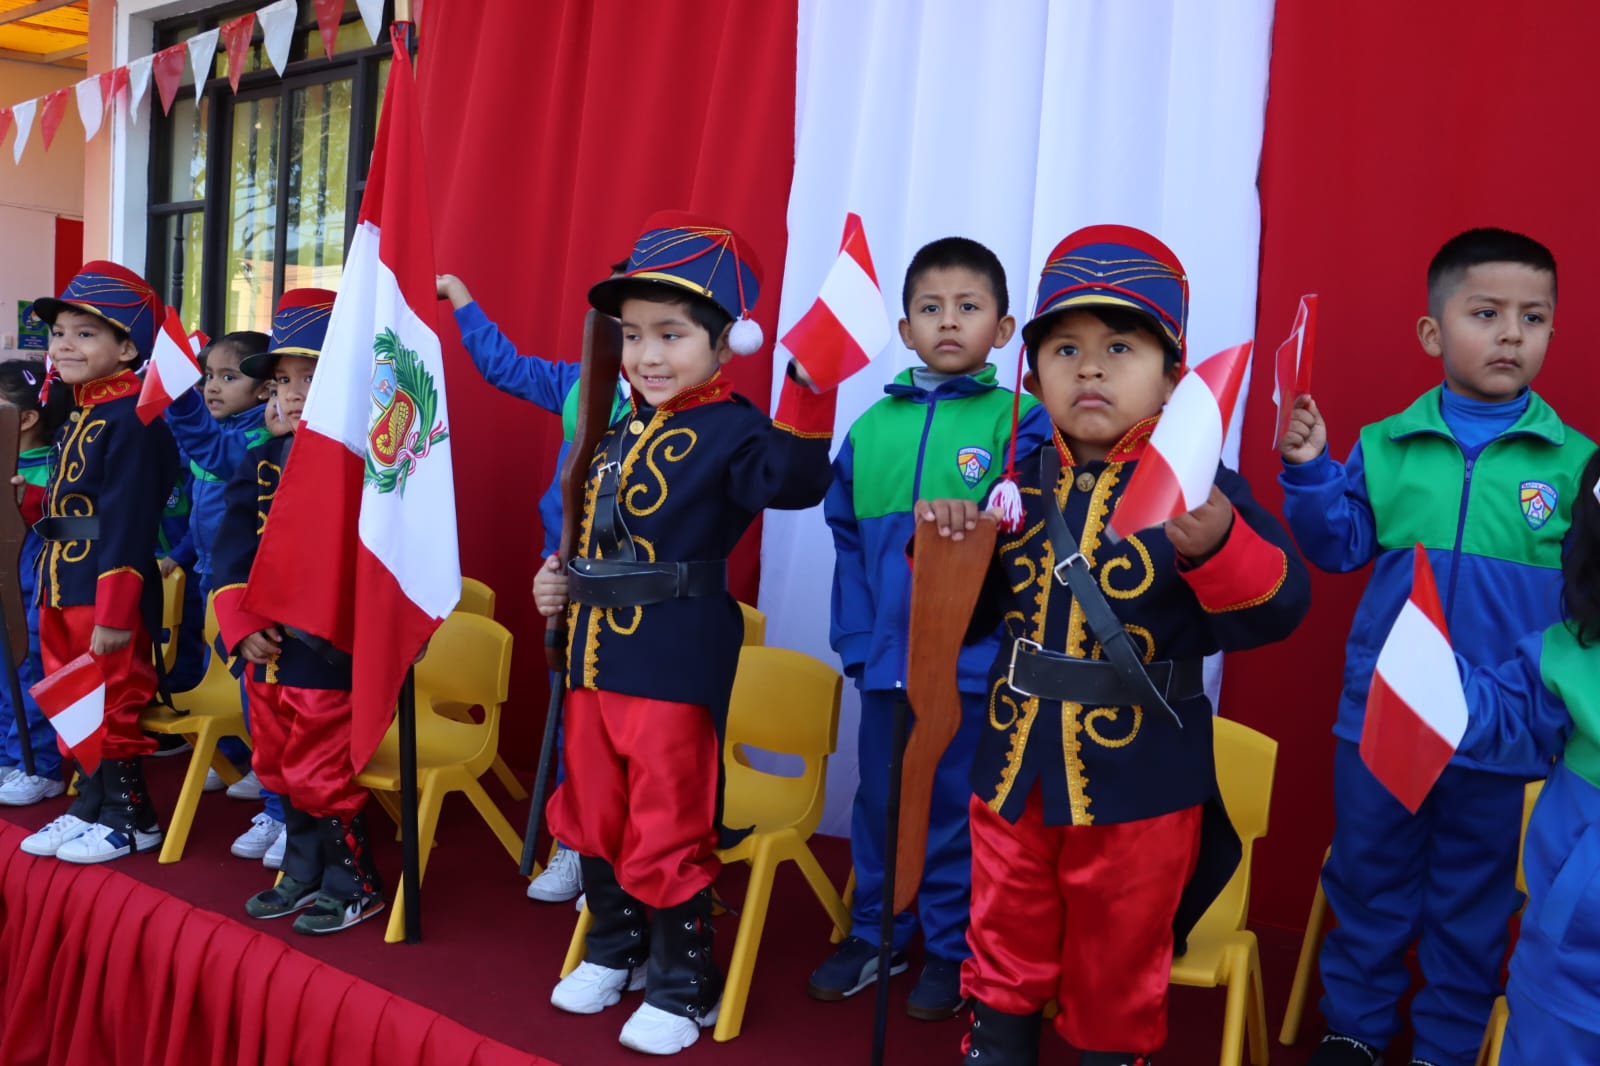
168, 67
5, 122
114, 83
51, 112
328, 13
236, 39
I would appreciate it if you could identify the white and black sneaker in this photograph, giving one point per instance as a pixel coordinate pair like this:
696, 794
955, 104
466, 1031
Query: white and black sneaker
101, 843
591, 988
1337, 1049
48, 840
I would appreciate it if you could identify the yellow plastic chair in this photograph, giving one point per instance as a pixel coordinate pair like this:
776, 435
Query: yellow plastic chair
755, 625
468, 663
478, 598
173, 587
205, 714
1222, 951
1317, 927
1494, 1035
783, 701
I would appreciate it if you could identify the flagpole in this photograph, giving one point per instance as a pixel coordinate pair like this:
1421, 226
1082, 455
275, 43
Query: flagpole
12, 609
406, 718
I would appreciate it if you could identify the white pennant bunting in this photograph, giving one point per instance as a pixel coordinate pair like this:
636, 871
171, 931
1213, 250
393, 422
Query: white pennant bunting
202, 49
138, 85
91, 108
277, 21
372, 15
23, 114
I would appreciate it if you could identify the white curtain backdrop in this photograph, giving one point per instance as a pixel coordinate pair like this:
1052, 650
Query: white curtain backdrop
1012, 123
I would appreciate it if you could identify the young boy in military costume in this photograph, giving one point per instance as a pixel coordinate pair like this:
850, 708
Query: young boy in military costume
655, 634
98, 587
299, 686
1098, 835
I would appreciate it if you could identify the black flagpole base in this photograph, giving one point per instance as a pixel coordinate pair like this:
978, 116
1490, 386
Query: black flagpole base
880, 1010
410, 849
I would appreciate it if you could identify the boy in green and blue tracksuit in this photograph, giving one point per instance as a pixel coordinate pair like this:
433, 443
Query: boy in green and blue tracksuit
1483, 473
942, 431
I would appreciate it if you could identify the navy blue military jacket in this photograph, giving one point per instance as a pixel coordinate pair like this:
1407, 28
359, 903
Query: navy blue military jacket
695, 472
247, 503
109, 465
1100, 765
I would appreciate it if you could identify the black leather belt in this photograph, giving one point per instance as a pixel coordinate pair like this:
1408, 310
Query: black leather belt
65, 528
616, 583
1037, 671
323, 649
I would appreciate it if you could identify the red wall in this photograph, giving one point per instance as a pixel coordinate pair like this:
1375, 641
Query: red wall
1390, 127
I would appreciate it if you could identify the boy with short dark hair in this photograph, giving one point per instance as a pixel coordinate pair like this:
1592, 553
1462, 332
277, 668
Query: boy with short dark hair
98, 589
655, 634
1483, 473
299, 687
942, 431
1098, 834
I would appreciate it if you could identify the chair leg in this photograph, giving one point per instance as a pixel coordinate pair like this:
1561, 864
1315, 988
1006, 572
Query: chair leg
822, 888
204, 742
1255, 1023
494, 819
509, 782
1310, 945
1494, 1036
752, 922
224, 767
1233, 1018
577, 949
848, 897
429, 800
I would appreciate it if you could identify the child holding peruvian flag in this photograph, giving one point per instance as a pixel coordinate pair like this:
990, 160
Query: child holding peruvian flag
1098, 833
1543, 705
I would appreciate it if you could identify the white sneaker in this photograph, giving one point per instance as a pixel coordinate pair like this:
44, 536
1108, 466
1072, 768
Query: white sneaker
214, 782
101, 843
246, 788
273, 859
23, 790
253, 843
561, 880
8, 772
47, 841
656, 1032
592, 988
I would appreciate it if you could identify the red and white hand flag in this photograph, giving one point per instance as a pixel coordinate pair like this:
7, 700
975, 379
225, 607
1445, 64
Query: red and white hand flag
1416, 708
1179, 465
173, 368
74, 699
847, 325
1292, 375
369, 480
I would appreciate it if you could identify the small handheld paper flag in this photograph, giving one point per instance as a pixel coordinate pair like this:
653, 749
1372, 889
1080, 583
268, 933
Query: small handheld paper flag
173, 368
1416, 708
846, 326
1292, 374
1180, 464
74, 699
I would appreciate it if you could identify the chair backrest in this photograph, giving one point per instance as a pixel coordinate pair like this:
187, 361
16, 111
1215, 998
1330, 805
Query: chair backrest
755, 625
786, 702
172, 589
476, 598
468, 662
1247, 762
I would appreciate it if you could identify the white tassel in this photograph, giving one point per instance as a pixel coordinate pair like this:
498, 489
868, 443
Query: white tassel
1005, 499
745, 337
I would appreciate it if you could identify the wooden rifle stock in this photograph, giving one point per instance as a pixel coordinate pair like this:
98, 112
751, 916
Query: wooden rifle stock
13, 530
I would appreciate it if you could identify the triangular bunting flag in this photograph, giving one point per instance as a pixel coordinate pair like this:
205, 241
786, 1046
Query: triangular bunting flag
91, 104
202, 52
372, 16
168, 66
236, 35
74, 699
847, 325
23, 114
277, 31
51, 114
1292, 373
1179, 465
328, 13
5, 122
138, 85
1416, 708
114, 84
173, 369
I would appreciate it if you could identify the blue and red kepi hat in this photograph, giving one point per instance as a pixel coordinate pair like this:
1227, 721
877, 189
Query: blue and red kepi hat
696, 256
298, 328
1114, 266
113, 293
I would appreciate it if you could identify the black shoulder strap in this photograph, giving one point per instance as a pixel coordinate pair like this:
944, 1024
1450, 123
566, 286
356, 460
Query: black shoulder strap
1072, 570
610, 538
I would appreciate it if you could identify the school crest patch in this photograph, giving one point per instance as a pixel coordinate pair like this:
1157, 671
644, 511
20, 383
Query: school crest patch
973, 462
401, 430
1538, 500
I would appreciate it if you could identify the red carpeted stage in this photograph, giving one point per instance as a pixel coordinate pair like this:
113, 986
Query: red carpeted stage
137, 963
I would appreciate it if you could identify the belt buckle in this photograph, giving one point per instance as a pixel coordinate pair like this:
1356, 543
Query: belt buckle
1011, 669
1061, 568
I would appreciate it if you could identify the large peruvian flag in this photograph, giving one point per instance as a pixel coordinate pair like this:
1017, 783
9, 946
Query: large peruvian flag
360, 547
1416, 708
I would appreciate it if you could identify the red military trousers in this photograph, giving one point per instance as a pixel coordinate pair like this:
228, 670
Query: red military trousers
301, 738
130, 675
